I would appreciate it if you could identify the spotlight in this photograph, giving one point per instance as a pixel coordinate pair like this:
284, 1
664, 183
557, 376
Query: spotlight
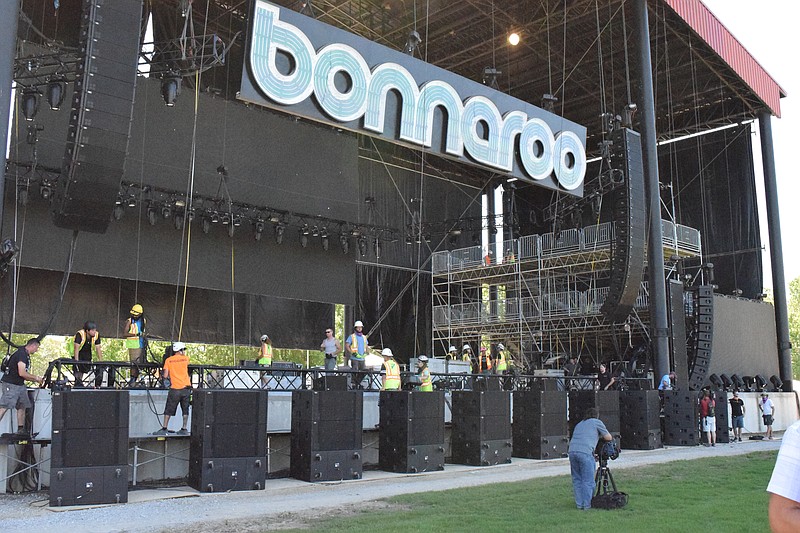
315, 231
345, 242
279, 229
761, 383
413, 41
362, 245
151, 216
206, 225
56, 89
325, 243
45, 190
513, 38
166, 212
259, 229
303, 237
237, 221
118, 212
226, 219
708, 270
190, 215
726, 381
749, 383
214, 217
170, 88
304, 230
30, 103
131, 201
777, 383
737, 382
714, 380
409, 240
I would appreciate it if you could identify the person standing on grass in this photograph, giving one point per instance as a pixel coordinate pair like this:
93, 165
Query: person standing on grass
784, 486
767, 409
581, 456
737, 416
708, 416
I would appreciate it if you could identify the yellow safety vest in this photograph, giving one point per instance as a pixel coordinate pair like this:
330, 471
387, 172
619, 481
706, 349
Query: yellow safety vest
82, 333
466, 357
426, 384
392, 375
132, 337
502, 365
266, 359
354, 347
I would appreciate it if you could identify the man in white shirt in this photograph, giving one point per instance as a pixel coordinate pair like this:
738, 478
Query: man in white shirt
784, 486
767, 409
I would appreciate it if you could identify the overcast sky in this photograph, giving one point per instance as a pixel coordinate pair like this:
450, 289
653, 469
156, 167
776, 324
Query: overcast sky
768, 30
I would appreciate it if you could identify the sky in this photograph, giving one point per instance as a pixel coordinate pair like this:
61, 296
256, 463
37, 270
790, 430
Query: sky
769, 31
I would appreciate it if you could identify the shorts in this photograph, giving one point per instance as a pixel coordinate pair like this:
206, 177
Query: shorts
738, 421
709, 423
767, 419
135, 355
174, 397
15, 396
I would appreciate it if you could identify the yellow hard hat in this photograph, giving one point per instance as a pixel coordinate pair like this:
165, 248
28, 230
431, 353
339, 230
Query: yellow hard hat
137, 309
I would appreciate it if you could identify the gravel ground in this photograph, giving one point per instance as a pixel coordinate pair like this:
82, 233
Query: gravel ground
289, 503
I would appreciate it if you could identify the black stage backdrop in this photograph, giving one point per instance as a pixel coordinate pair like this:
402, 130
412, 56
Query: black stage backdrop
714, 187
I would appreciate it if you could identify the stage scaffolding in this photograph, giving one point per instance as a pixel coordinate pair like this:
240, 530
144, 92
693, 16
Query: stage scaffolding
542, 296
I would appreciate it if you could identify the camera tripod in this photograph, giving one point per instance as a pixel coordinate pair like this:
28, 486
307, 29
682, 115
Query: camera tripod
603, 478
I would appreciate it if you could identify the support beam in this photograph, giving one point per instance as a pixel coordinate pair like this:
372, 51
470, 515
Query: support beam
776, 251
9, 15
655, 249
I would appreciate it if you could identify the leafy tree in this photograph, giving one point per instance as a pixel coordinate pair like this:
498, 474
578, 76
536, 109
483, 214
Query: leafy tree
794, 324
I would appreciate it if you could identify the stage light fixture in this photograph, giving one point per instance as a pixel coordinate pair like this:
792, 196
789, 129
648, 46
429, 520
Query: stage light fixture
190, 215
325, 242
413, 41
513, 38
738, 383
214, 217
226, 219
171, 88
726, 381
45, 191
777, 383
151, 216
749, 383
206, 225
409, 240
30, 103
178, 221
118, 212
761, 383
715, 381
56, 89
279, 229
259, 229
237, 221
166, 212
131, 201
362, 245
303, 234
345, 243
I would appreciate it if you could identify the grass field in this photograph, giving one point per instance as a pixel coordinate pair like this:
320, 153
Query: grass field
715, 494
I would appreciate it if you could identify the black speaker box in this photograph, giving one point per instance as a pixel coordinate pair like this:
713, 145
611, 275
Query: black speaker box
335, 465
480, 453
721, 413
328, 383
534, 403
411, 404
88, 485
680, 421
677, 327
327, 405
642, 440
531, 446
227, 474
411, 459
481, 403
481, 428
228, 424
628, 208
100, 119
606, 402
90, 428
639, 416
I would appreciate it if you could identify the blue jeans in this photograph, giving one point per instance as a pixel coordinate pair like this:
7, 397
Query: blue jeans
581, 466
330, 363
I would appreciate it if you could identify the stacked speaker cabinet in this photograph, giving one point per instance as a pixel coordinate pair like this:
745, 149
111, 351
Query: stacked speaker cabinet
411, 431
704, 316
721, 411
100, 119
481, 432
640, 421
228, 447
89, 457
680, 418
606, 402
628, 207
677, 328
326, 435
540, 424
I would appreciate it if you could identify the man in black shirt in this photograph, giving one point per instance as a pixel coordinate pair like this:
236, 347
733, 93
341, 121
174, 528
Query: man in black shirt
15, 394
737, 416
85, 339
605, 380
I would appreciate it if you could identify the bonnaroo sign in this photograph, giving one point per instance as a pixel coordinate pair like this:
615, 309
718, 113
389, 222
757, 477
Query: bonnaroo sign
346, 81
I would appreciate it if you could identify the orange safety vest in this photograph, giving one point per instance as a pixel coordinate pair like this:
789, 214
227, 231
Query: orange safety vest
488, 362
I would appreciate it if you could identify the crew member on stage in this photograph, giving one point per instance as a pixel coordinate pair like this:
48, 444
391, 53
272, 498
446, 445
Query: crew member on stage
484, 362
425, 381
134, 329
452, 354
85, 338
332, 348
176, 370
502, 362
605, 381
357, 348
466, 353
265, 358
15, 394
391, 371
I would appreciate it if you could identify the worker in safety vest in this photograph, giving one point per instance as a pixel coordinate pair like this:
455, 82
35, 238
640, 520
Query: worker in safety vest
425, 381
502, 362
484, 362
357, 347
466, 353
134, 331
391, 376
85, 338
452, 353
265, 355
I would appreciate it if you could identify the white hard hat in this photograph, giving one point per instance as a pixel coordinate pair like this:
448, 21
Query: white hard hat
501, 347
466, 347
422, 358
359, 324
178, 346
452, 349
264, 338
387, 352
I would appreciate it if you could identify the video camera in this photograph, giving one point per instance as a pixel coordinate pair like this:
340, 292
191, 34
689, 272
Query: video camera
608, 450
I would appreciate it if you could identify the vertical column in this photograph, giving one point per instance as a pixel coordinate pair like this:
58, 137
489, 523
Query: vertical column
655, 247
776, 251
9, 15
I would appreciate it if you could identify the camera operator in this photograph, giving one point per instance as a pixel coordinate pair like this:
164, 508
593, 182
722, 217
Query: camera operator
581, 456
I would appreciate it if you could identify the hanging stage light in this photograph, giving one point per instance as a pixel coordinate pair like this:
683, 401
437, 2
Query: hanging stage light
178, 220
259, 229
513, 38
56, 89
166, 212
226, 219
323, 235
206, 225
214, 217
131, 201
151, 216
362, 245
30, 103
303, 234
279, 229
171, 88
45, 190
118, 211
345, 242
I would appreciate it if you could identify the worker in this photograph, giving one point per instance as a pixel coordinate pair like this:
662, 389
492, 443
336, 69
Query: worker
484, 362
452, 354
135, 340
391, 375
85, 339
425, 381
502, 363
356, 349
265, 355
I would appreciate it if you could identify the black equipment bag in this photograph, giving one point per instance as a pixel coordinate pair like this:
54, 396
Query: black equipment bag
610, 500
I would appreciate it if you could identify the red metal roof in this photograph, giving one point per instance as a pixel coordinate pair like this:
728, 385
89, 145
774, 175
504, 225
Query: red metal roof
722, 41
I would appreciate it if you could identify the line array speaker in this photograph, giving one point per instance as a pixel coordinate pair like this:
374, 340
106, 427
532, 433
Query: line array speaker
606, 402
628, 208
640, 423
721, 411
703, 337
677, 323
100, 118
680, 422
481, 431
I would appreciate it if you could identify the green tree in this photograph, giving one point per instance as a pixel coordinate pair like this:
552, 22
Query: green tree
794, 325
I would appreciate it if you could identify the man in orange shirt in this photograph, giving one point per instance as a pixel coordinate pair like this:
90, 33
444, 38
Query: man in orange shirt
176, 369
